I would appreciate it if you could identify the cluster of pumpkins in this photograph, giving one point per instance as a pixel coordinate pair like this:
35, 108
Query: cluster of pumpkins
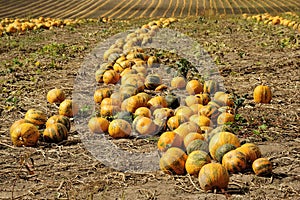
194, 134
26, 131
266, 18
9, 25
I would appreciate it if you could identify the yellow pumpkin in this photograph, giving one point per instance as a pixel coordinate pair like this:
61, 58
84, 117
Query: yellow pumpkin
262, 94
25, 134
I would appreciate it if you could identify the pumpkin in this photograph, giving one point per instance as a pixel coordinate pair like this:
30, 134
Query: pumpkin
211, 87
218, 94
194, 87
110, 102
161, 88
152, 81
222, 150
68, 108
55, 133
169, 139
119, 128
262, 167
16, 124
173, 101
134, 81
131, 104
191, 99
226, 100
178, 82
234, 161
25, 134
204, 121
209, 111
125, 115
99, 75
213, 176
109, 110
144, 98
98, 125
102, 93
174, 121
59, 119
127, 91
157, 102
144, 125
56, 95
163, 113
184, 111
262, 94
143, 111
186, 128
220, 139
197, 144
196, 108
195, 161
251, 151
203, 98
153, 61
36, 117
111, 77
173, 161
191, 137
225, 118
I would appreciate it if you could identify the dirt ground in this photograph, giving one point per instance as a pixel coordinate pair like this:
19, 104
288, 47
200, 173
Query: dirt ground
246, 54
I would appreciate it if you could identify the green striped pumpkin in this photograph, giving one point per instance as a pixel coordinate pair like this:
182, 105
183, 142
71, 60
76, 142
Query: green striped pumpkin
222, 150
173, 161
262, 167
251, 151
36, 117
195, 161
152, 81
25, 134
197, 145
59, 119
213, 176
55, 133
220, 139
234, 161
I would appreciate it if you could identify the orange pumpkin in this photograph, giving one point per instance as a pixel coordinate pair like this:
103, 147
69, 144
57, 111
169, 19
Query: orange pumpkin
192, 136
55, 133
119, 128
173, 161
203, 98
184, 111
204, 121
16, 124
225, 118
169, 139
262, 167
251, 151
144, 126
36, 117
157, 102
59, 119
197, 144
102, 93
143, 111
195, 161
98, 125
56, 96
220, 139
234, 161
213, 176
25, 134
68, 108
262, 94
174, 121
178, 82
187, 127
111, 77
109, 110
194, 87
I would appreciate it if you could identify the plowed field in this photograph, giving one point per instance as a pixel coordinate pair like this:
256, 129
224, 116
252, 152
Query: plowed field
140, 8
